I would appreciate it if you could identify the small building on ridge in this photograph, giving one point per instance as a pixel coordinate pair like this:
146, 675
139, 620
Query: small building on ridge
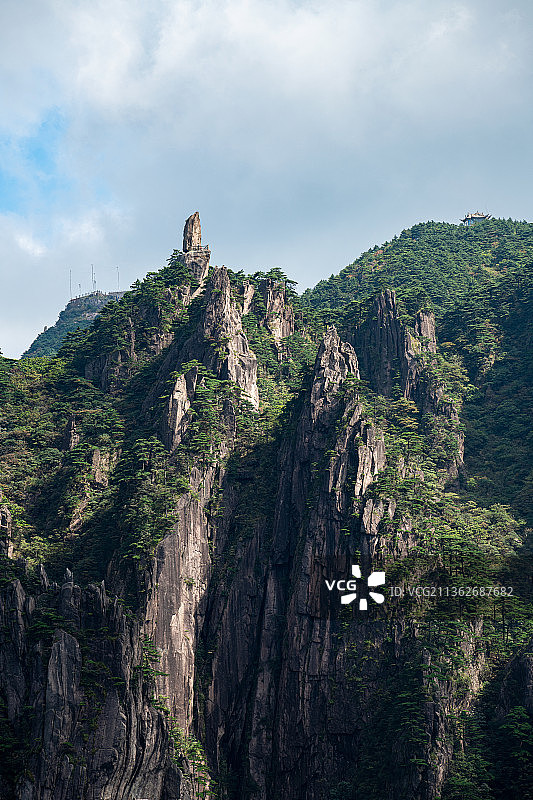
471, 219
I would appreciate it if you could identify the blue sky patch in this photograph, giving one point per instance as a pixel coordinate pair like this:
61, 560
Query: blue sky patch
40, 150
30, 174
11, 194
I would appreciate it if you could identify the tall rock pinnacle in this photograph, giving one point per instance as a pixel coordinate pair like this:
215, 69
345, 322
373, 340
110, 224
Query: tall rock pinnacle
194, 255
192, 233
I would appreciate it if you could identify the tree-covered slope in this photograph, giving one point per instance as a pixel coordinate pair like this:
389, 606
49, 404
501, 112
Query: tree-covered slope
491, 332
478, 281
79, 313
433, 261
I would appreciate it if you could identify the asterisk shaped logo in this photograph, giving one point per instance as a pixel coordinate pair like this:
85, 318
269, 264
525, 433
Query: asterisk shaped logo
374, 579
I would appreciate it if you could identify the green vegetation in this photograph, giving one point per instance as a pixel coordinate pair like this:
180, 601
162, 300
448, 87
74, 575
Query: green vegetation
79, 313
491, 332
479, 283
89, 481
190, 755
474, 533
433, 261
460, 542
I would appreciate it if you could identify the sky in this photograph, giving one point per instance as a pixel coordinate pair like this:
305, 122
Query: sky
303, 132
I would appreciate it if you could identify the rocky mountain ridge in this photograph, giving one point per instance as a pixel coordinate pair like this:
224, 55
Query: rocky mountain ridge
217, 501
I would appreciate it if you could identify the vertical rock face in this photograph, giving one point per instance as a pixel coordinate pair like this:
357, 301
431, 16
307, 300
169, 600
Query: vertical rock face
183, 560
192, 233
176, 601
179, 403
269, 709
388, 352
425, 329
6, 543
194, 255
275, 640
296, 651
91, 732
279, 316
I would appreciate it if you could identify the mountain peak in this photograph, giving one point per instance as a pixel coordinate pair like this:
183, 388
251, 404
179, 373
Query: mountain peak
192, 233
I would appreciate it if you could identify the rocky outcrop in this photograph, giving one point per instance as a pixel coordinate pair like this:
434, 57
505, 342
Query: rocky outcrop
391, 355
179, 403
71, 437
194, 255
279, 318
425, 329
71, 678
6, 542
388, 352
247, 291
222, 324
269, 305
219, 343
192, 233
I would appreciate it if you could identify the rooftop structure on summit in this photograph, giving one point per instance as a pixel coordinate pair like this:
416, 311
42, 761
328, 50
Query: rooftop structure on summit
471, 219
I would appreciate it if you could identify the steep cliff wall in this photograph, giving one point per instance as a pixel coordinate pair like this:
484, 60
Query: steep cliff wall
183, 559
77, 717
279, 687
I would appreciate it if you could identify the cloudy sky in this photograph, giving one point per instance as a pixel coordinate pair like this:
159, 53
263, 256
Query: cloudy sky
303, 132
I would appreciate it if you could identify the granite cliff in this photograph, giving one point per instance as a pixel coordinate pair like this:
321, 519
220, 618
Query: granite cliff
182, 489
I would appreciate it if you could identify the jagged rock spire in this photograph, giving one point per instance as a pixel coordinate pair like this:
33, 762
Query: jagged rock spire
194, 255
192, 233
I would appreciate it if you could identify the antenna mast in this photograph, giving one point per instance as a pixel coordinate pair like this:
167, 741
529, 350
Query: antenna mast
70, 282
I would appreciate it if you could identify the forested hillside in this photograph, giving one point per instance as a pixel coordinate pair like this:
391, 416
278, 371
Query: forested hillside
79, 313
478, 281
433, 261
183, 479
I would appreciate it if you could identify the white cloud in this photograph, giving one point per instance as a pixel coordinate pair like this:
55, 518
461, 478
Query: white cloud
82, 231
303, 131
29, 245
